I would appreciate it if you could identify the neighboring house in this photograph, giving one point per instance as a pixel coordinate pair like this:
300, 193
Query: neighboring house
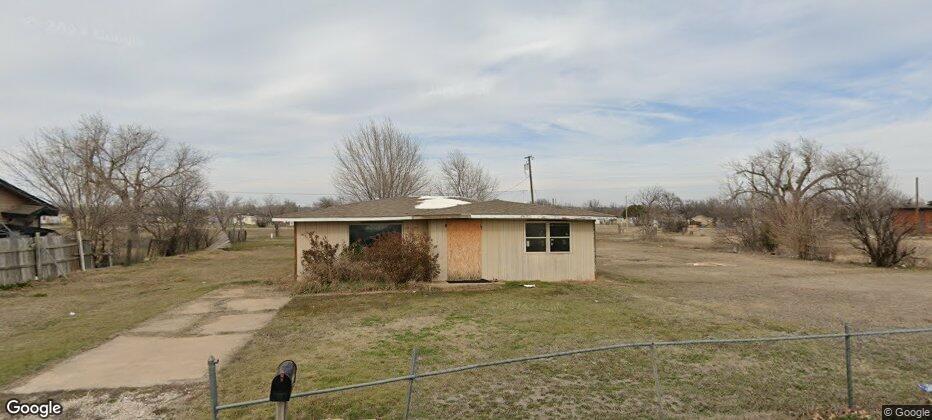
21, 212
491, 240
702, 221
907, 216
247, 219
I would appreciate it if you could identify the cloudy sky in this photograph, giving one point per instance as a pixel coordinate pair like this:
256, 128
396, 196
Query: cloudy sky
608, 96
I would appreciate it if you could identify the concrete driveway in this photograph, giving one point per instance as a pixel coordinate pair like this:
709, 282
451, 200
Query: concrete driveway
170, 348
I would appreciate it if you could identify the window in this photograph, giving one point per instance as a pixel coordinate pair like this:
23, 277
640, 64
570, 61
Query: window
535, 237
365, 234
559, 237
547, 237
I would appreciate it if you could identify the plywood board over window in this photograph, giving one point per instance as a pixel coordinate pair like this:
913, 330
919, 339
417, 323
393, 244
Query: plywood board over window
464, 250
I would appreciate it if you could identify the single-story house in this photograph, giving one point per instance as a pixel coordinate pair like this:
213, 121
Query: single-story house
489, 240
907, 216
21, 212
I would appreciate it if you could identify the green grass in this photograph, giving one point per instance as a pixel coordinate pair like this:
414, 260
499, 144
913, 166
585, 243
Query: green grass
343, 340
37, 329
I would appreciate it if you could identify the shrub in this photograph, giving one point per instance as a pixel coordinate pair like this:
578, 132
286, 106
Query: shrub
400, 259
392, 260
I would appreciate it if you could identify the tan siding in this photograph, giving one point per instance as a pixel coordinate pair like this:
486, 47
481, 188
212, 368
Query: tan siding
335, 232
438, 235
504, 258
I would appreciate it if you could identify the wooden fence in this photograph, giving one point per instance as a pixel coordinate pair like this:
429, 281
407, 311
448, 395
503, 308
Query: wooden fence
27, 258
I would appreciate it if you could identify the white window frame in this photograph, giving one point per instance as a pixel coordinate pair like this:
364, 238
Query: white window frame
547, 237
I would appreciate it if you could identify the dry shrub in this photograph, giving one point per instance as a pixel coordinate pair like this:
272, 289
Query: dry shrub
391, 261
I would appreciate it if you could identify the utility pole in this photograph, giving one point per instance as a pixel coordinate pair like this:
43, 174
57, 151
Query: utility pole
919, 222
530, 175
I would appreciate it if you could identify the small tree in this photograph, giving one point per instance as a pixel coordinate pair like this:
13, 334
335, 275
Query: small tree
380, 161
462, 177
868, 201
223, 209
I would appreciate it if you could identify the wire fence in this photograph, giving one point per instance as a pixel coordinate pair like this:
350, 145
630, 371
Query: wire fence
848, 335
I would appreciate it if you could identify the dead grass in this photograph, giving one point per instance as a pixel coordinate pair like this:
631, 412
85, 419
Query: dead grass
37, 329
646, 291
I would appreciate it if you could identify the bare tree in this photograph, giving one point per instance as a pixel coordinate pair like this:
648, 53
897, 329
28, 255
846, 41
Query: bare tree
48, 164
795, 180
661, 208
177, 218
867, 202
462, 177
223, 209
273, 207
379, 161
325, 202
134, 162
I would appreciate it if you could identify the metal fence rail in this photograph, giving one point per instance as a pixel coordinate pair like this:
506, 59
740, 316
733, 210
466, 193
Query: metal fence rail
413, 376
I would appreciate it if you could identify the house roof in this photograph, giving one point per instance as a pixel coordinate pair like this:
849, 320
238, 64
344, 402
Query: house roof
52, 210
435, 207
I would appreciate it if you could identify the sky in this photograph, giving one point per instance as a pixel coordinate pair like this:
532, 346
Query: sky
609, 97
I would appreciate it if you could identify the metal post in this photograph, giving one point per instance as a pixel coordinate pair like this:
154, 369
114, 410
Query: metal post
411, 382
850, 379
81, 251
657, 391
38, 250
281, 410
212, 381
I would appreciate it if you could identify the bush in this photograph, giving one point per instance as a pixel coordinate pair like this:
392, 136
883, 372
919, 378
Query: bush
391, 261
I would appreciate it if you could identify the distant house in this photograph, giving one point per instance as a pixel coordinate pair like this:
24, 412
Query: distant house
491, 240
702, 221
907, 216
21, 213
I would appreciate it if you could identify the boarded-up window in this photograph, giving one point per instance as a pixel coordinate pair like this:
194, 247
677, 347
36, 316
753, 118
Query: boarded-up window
547, 237
365, 234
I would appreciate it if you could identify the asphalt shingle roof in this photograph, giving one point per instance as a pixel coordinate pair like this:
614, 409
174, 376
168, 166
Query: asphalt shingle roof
405, 207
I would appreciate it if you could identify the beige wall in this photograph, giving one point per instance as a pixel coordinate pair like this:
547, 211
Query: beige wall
503, 255
504, 258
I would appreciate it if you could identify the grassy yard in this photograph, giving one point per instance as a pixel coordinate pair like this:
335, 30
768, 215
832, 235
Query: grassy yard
36, 329
644, 292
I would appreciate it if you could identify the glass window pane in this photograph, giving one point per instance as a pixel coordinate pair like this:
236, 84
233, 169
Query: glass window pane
535, 245
365, 234
535, 230
559, 229
559, 244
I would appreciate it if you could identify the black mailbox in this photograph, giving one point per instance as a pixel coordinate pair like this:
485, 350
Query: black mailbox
284, 380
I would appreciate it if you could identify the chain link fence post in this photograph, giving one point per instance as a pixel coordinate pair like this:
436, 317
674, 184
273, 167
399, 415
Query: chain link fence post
656, 371
411, 382
848, 374
212, 381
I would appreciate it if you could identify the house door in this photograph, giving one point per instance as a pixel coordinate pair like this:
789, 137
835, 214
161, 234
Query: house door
464, 250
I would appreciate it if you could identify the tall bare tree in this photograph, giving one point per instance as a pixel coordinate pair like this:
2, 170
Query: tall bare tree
134, 162
379, 160
462, 177
867, 202
796, 181
50, 163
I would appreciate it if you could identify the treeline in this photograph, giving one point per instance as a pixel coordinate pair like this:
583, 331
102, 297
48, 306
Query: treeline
120, 183
792, 198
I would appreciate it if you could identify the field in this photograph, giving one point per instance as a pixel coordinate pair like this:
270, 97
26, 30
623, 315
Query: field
644, 292
671, 290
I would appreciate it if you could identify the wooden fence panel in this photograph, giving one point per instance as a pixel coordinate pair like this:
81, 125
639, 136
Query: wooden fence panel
58, 256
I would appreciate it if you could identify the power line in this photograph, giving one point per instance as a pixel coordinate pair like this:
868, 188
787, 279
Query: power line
530, 175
